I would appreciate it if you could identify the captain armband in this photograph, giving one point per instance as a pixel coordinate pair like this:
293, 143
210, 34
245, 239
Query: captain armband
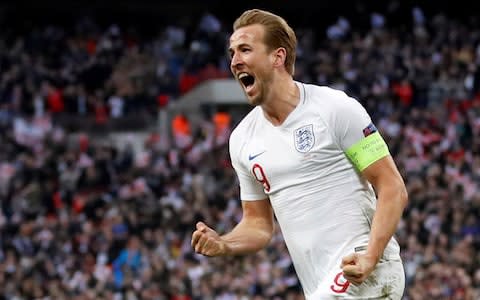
367, 151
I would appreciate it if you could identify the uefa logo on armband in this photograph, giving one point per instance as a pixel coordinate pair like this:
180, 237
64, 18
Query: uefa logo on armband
369, 130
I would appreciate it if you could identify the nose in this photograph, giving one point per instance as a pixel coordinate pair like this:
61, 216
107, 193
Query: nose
236, 60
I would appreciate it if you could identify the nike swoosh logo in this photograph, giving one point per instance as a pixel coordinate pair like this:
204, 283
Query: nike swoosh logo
250, 157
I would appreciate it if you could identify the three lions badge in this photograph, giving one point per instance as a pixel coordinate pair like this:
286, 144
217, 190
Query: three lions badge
304, 138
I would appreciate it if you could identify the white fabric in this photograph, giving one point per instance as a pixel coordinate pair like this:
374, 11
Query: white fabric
323, 205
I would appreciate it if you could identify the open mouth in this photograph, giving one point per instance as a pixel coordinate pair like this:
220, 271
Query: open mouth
246, 79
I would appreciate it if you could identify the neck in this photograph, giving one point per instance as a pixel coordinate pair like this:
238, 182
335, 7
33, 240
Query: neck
283, 99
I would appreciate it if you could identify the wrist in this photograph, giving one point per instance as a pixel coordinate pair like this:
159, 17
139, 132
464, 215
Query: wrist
373, 255
225, 248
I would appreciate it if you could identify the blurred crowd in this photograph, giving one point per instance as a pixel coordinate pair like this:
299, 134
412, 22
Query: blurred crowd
87, 72
84, 218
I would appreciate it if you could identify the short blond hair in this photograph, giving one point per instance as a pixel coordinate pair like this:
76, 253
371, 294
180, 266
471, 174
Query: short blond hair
277, 33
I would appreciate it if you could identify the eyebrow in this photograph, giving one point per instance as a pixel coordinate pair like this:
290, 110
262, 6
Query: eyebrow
230, 49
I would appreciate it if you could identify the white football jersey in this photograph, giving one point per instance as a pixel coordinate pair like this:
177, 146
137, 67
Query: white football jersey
322, 203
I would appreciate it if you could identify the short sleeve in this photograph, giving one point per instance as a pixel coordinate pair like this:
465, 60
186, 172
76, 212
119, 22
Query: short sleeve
356, 134
250, 188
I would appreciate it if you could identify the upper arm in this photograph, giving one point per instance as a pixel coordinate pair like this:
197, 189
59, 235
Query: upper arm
356, 134
258, 213
362, 143
250, 188
384, 173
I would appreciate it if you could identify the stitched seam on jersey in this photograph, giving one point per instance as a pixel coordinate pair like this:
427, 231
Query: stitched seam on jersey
327, 126
330, 132
304, 93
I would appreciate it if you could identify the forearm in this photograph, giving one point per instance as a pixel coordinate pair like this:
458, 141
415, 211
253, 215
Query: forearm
390, 205
248, 236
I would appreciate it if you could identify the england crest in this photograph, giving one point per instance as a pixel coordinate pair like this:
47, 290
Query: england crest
304, 138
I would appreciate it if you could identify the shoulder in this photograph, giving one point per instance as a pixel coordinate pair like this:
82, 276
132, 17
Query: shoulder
244, 128
327, 95
328, 101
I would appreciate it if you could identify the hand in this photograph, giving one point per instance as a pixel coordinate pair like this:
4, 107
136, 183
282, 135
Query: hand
357, 267
206, 241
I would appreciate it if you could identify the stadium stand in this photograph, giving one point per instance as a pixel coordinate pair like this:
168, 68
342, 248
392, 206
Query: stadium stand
103, 175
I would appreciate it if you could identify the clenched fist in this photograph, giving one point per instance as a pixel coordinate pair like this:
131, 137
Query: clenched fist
357, 267
207, 241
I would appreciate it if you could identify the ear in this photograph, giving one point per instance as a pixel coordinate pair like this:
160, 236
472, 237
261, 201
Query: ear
279, 57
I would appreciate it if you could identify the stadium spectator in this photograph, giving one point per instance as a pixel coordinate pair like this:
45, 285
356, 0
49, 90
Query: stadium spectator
161, 191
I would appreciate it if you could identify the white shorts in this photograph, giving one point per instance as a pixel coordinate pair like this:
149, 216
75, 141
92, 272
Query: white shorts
387, 281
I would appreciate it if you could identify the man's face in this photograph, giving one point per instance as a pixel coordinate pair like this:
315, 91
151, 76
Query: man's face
251, 63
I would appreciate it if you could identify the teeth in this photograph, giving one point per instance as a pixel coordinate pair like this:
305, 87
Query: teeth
241, 75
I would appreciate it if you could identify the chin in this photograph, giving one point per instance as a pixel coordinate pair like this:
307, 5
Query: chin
254, 101
251, 100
